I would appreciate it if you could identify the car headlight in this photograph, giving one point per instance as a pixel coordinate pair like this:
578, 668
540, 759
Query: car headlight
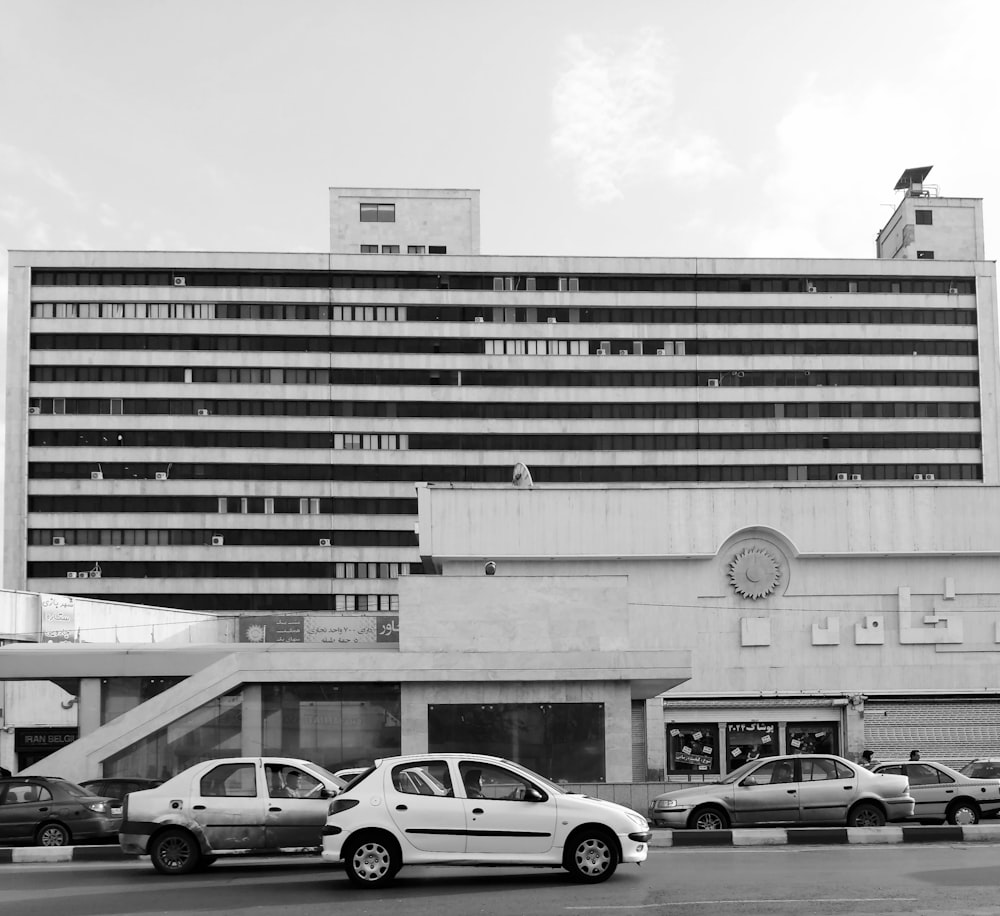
660, 803
639, 820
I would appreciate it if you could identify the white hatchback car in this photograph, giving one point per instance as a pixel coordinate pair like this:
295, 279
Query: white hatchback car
471, 809
232, 806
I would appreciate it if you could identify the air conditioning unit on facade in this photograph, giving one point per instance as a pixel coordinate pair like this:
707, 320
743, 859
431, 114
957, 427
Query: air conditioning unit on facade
325, 542
810, 288
661, 352
479, 319
953, 290
713, 383
552, 320
160, 475
218, 540
71, 575
918, 476
97, 475
34, 410
855, 477
602, 352
58, 542
83, 575
623, 352
95, 574
841, 477
928, 476
180, 281
202, 412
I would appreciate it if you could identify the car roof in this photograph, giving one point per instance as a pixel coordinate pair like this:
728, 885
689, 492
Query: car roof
406, 758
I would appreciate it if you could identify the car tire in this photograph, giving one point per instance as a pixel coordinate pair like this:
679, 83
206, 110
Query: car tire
866, 815
963, 813
708, 817
52, 834
175, 852
591, 857
372, 861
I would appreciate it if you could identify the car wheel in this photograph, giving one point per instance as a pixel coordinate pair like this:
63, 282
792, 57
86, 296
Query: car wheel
963, 813
591, 857
866, 815
175, 852
52, 835
708, 818
372, 861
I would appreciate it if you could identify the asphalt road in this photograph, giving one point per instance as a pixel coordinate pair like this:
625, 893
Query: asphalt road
922, 880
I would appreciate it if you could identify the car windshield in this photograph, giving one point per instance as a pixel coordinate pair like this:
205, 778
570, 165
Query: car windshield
326, 774
71, 788
739, 772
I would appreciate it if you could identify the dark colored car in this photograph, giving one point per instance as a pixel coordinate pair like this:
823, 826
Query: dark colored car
49, 811
117, 787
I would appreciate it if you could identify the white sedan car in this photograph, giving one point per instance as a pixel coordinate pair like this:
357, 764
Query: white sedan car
231, 806
470, 809
943, 794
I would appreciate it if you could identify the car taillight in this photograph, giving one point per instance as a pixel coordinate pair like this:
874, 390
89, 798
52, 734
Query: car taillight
341, 804
98, 807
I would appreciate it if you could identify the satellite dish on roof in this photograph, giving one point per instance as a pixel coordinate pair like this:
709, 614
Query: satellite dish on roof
522, 476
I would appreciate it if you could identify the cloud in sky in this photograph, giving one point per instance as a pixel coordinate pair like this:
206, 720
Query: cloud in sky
615, 123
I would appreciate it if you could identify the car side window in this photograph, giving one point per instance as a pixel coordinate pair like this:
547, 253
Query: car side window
920, 774
495, 782
773, 772
426, 777
894, 769
230, 780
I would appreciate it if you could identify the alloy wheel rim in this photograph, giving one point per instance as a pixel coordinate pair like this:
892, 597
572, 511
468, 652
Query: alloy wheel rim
174, 853
371, 861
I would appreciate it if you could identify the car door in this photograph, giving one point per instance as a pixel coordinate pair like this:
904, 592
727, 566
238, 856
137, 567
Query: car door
826, 790
506, 813
18, 811
228, 802
293, 821
931, 789
768, 795
422, 804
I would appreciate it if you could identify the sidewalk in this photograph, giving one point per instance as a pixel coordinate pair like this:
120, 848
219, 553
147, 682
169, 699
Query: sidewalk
751, 836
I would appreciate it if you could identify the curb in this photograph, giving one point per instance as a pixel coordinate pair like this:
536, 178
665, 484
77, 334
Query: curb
812, 836
751, 836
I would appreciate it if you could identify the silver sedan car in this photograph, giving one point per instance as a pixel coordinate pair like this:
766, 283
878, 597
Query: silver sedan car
944, 794
796, 789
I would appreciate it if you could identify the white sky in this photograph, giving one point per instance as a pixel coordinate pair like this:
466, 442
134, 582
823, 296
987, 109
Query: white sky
716, 128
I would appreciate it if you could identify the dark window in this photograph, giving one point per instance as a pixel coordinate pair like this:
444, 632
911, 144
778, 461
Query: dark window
369, 249
925, 255
925, 217
414, 249
437, 249
378, 213
693, 748
390, 249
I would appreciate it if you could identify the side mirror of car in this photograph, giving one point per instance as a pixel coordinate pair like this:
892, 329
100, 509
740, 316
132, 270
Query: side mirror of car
750, 781
327, 793
533, 795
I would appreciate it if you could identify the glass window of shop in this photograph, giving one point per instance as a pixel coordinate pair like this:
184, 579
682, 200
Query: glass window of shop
120, 694
812, 738
562, 741
212, 730
334, 725
750, 740
693, 747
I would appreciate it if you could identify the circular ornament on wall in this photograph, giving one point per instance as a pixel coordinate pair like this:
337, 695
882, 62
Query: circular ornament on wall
754, 573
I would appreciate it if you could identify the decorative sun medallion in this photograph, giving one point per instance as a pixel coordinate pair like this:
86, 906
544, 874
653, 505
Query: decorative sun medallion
256, 633
754, 573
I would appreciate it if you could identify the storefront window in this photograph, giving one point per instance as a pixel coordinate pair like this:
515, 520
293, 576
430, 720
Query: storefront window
334, 725
212, 730
562, 741
120, 694
693, 748
750, 740
812, 738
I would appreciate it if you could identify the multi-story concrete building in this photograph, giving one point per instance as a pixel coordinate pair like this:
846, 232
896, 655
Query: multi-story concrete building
765, 495
243, 432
